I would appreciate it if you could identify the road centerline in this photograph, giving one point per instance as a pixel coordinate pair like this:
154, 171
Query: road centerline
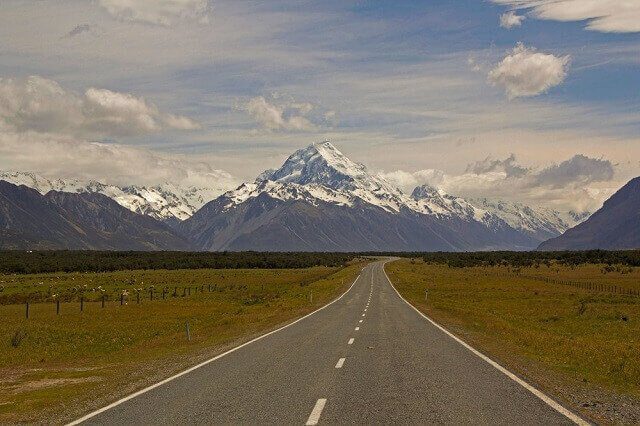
314, 417
340, 362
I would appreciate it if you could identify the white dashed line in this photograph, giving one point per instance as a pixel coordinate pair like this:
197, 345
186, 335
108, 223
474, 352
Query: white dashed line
314, 417
357, 328
364, 314
360, 321
340, 363
350, 342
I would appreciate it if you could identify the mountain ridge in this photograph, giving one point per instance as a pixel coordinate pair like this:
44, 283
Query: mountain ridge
319, 182
615, 226
77, 221
319, 190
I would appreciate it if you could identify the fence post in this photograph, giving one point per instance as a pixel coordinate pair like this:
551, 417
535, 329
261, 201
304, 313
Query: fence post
163, 293
209, 288
121, 299
27, 310
151, 294
188, 332
137, 297
57, 306
81, 304
103, 300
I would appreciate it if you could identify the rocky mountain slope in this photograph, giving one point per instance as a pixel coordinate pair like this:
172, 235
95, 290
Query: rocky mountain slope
166, 202
321, 200
78, 221
615, 226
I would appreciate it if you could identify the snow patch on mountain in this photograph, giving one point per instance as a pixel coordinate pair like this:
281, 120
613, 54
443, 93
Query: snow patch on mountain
162, 202
320, 172
538, 220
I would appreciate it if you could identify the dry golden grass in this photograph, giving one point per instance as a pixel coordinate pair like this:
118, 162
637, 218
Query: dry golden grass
581, 344
56, 367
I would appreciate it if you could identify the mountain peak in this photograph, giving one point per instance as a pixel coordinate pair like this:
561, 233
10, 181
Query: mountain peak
319, 163
425, 192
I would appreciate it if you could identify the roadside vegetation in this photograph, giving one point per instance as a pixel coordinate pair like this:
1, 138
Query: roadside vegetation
57, 366
565, 326
32, 262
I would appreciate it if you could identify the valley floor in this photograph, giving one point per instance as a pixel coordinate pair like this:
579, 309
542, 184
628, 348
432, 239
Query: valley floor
551, 325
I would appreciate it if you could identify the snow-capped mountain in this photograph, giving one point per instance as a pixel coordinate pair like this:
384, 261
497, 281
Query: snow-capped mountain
540, 222
166, 202
321, 200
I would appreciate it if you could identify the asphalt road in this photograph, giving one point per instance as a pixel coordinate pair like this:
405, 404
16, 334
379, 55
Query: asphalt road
367, 358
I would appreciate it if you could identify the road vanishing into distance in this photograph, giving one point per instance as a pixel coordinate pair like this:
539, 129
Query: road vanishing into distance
368, 357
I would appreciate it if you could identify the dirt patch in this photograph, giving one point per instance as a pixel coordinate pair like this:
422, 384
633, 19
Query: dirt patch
49, 383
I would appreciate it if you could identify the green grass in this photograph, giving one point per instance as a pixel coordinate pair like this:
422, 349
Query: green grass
563, 337
56, 367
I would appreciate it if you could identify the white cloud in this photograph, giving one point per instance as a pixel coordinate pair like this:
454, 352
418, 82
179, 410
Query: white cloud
43, 105
158, 12
579, 169
526, 72
510, 20
616, 16
407, 181
68, 157
578, 183
273, 117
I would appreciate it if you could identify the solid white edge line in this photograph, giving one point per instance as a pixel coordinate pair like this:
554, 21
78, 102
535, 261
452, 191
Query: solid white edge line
314, 417
340, 363
202, 364
542, 396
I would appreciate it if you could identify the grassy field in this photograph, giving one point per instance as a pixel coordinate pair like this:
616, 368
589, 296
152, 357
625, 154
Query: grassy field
55, 367
577, 344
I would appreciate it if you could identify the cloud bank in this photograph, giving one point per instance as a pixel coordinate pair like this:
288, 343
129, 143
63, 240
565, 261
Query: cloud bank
567, 185
611, 16
526, 72
47, 129
42, 105
67, 157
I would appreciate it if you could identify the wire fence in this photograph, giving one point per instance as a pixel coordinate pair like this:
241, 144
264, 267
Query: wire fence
584, 285
138, 296
121, 297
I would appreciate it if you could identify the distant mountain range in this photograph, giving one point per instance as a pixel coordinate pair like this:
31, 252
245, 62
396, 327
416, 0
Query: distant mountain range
319, 200
163, 202
80, 221
615, 226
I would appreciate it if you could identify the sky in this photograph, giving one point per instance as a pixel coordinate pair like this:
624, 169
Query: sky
534, 101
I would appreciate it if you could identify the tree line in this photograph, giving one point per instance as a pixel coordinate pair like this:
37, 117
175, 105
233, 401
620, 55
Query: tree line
535, 258
31, 262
